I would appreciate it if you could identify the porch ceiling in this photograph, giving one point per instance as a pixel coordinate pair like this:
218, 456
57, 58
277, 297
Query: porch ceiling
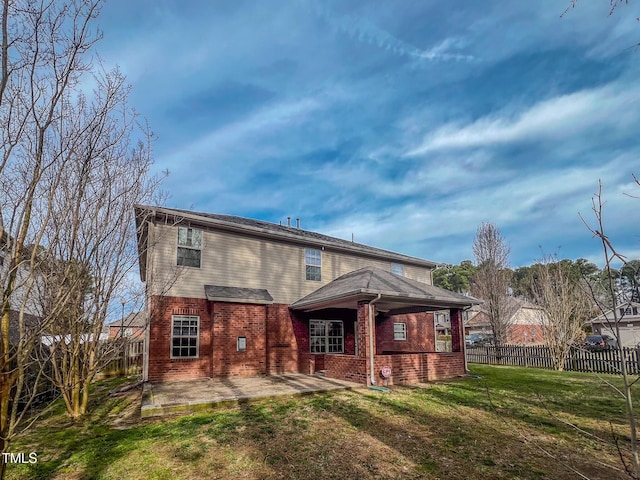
397, 293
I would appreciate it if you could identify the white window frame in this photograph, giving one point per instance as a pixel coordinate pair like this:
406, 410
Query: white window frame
398, 269
188, 335
448, 344
320, 338
313, 261
399, 331
190, 245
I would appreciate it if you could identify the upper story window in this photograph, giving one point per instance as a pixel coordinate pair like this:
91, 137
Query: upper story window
629, 310
313, 264
189, 247
397, 268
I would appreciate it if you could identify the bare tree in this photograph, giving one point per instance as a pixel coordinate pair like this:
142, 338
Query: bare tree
72, 167
42, 50
492, 279
611, 255
92, 233
565, 303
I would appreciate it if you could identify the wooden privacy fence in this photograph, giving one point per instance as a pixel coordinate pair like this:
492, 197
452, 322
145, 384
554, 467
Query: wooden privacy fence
578, 359
129, 362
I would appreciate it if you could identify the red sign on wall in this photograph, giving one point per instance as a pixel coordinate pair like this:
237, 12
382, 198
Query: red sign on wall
385, 372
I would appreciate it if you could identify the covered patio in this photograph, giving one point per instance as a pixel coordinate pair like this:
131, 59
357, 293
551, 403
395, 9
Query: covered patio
374, 327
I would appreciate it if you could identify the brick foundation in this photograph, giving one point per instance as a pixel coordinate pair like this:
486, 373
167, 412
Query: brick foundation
346, 367
409, 368
406, 368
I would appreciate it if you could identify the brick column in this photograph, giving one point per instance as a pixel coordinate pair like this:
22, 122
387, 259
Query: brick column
364, 340
363, 329
456, 330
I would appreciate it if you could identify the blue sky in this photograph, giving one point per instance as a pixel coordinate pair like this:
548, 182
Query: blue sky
405, 123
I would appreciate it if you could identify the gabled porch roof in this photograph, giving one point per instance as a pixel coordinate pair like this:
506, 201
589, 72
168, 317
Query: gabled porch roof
397, 293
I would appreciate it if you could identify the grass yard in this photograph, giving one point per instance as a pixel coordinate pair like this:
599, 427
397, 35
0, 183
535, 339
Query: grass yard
511, 423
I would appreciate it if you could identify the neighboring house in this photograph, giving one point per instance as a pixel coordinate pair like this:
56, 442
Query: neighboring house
628, 324
25, 300
132, 327
26, 296
233, 296
525, 324
477, 321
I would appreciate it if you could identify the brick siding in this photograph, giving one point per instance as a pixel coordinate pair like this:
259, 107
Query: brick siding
525, 335
161, 366
420, 333
233, 320
271, 345
282, 345
277, 341
419, 367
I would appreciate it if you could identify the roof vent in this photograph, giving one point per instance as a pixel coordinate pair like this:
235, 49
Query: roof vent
297, 223
288, 221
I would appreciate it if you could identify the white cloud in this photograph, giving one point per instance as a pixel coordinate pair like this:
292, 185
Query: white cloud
217, 144
551, 119
541, 208
367, 31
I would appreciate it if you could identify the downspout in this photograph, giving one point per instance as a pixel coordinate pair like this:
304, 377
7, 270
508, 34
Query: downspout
147, 339
372, 347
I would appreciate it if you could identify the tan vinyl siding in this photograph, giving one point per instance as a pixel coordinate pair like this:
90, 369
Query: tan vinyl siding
240, 261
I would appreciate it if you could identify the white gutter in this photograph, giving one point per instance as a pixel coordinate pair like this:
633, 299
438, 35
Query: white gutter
372, 347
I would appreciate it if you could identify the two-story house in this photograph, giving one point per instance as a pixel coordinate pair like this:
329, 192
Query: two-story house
628, 316
233, 296
525, 324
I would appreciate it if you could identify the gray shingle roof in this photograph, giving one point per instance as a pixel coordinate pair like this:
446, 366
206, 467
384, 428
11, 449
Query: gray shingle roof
283, 232
236, 294
394, 289
135, 319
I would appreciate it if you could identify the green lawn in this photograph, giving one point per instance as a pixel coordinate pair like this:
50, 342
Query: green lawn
507, 423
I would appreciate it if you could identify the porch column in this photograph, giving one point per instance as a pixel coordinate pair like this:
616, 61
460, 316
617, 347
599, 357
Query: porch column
363, 330
457, 330
364, 339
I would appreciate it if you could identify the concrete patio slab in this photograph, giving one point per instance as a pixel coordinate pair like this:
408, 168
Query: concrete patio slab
201, 394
